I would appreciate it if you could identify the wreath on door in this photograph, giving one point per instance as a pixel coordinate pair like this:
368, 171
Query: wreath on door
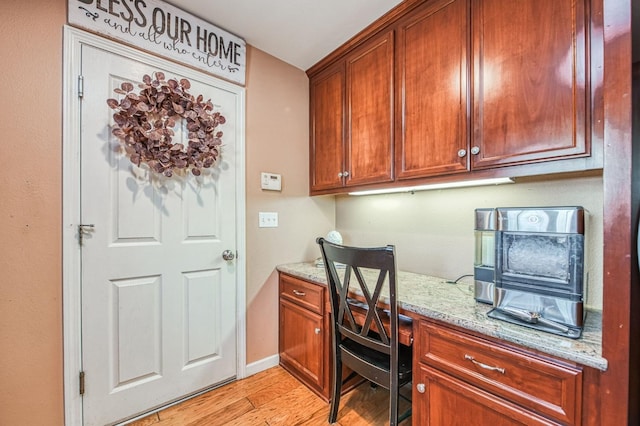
145, 122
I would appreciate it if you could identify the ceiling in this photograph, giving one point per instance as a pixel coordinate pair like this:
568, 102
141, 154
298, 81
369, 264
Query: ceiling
299, 32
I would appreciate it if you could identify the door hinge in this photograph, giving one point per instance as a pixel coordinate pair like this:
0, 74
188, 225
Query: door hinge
82, 383
84, 230
80, 86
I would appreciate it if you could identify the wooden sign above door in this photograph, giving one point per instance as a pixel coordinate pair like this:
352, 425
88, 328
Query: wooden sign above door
163, 29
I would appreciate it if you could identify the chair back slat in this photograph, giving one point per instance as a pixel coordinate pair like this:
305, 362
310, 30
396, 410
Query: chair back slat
342, 290
373, 314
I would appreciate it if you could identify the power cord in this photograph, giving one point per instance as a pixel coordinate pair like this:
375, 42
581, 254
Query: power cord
458, 279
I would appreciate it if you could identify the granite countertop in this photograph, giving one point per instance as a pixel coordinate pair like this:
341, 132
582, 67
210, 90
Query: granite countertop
435, 298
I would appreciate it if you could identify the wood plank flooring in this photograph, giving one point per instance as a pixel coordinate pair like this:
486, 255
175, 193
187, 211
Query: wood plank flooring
275, 398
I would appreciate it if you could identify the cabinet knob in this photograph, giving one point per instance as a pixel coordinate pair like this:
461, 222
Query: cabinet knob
462, 153
420, 387
345, 174
340, 174
475, 150
317, 330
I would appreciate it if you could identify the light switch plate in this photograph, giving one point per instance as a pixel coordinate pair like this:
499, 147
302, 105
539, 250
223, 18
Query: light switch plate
271, 181
267, 219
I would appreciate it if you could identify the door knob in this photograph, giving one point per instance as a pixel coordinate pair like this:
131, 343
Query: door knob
228, 255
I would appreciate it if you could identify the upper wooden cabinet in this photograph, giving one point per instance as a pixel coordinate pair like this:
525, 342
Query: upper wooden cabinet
370, 112
529, 85
458, 88
431, 90
327, 97
352, 118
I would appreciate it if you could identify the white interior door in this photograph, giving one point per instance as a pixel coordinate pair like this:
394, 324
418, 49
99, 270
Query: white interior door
158, 300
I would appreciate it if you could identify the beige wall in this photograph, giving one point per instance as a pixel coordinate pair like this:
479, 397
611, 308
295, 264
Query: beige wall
30, 213
31, 345
277, 142
433, 230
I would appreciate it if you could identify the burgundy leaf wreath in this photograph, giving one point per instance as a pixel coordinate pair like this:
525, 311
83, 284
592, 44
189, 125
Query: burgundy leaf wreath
144, 124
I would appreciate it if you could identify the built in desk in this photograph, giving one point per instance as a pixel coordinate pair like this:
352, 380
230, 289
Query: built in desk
465, 364
433, 298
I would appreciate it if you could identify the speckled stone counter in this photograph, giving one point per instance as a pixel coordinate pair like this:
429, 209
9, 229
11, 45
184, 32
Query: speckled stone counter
454, 304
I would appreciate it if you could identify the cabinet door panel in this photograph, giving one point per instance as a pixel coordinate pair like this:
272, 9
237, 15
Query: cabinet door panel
327, 130
447, 401
431, 94
529, 81
301, 342
370, 111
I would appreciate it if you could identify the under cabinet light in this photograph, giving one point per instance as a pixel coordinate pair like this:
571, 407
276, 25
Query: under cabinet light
460, 184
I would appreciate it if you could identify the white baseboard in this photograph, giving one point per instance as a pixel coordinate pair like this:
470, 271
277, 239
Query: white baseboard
261, 365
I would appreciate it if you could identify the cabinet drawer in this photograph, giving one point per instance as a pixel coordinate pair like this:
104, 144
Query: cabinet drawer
302, 292
549, 388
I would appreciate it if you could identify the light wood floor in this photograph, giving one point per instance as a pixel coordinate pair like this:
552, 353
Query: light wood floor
274, 397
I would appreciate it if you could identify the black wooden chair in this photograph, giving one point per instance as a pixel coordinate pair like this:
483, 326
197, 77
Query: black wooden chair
365, 332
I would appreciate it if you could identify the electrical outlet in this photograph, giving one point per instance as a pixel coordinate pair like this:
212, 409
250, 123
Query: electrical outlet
268, 219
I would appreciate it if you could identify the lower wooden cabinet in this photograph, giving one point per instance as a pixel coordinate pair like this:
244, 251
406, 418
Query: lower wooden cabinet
302, 346
459, 378
462, 378
303, 341
305, 333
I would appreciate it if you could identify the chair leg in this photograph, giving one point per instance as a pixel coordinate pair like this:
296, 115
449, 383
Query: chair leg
393, 406
336, 390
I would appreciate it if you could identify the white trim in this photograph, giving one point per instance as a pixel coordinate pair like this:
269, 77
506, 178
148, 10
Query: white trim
263, 364
71, 273
241, 262
70, 216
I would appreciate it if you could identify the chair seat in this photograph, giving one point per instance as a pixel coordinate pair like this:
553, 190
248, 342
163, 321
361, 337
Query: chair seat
379, 360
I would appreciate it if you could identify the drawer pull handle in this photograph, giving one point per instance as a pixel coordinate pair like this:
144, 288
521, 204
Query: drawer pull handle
299, 293
482, 365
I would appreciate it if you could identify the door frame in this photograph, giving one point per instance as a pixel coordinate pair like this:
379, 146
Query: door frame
74, 39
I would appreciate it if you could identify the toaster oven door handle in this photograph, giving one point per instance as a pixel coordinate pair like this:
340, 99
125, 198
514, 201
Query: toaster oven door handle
520, 314
533, 318
557, 326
